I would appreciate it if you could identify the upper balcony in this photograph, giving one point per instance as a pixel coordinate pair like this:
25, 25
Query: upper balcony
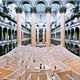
72, 16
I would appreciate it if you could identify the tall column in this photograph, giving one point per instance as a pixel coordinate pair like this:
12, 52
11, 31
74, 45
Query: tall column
33, 29
18, 11
43, 35
37, 35
48, 30
62, 11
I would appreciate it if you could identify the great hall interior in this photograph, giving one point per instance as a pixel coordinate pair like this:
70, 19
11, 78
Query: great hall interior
39, 39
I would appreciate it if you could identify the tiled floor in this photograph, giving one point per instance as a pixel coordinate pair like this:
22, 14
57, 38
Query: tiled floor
32, 57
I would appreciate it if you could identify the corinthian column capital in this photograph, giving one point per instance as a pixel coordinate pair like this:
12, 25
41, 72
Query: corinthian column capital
62, 9
48, 9
33, 9
18, 9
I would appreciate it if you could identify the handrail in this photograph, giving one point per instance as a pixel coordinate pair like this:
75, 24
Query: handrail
29, 78
69, 77
47, 75
57, 77
0, 75
38, 77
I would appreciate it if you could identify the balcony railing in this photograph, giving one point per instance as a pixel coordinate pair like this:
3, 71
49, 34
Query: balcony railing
7, 41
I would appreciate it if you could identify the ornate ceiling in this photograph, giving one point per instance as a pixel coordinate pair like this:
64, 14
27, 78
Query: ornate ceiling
42, 3
47, 2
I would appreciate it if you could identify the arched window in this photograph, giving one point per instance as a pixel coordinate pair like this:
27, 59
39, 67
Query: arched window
55, 7
77, 34
9, 34
26, 8
69, 34
65, 34
72, 34
40, 8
